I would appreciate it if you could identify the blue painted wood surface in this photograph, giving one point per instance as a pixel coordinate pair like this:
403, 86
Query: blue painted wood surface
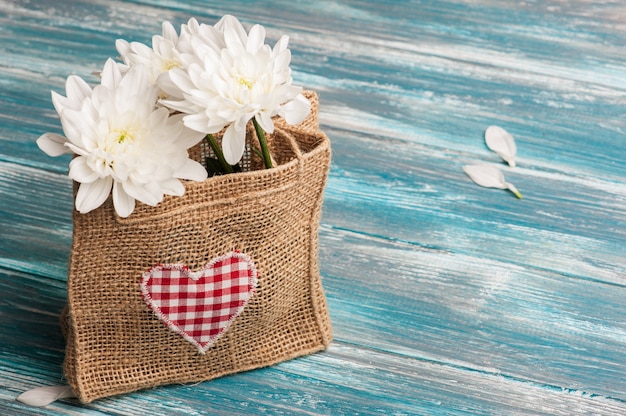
446, 298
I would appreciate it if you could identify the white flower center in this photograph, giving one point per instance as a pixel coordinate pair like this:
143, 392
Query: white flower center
124, 136
117, 151
119, 140
170, 64
246, 82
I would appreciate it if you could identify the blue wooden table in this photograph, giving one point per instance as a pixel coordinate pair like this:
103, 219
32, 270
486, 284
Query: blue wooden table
446, 298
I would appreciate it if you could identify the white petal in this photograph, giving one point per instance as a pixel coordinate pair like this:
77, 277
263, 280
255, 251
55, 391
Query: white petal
296, 110
265, 121
234, 33
183, 106
76, 149
198, 122
164, 81
174, 131
141, 54
486, 175
169, 32
195, 77
256, 38
489, 177
53, 144
193, 25
281, 62
172, 187
43, 396
159, 120
182, 79
91, 195
74, 124
189, 137
111, 74
81, 172
192, 171
59, 102
150, 193
281, 45
501, 142
132, 85
124, 204
233, 142
123, 47
77, 89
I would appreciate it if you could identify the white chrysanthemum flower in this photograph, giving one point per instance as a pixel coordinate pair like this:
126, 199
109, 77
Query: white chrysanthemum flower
230, 85
124, 143
156, 61
168, 51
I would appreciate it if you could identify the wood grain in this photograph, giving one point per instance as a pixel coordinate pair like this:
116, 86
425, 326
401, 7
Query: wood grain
446, 298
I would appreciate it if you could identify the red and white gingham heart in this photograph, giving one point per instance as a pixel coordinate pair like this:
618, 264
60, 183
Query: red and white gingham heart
202, 305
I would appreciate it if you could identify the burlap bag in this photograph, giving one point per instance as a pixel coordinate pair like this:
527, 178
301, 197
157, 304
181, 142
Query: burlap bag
115, 344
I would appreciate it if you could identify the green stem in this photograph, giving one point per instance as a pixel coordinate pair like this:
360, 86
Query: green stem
218, 152
257, 152
267, 158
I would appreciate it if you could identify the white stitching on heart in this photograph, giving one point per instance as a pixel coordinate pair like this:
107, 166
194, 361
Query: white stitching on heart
163, 288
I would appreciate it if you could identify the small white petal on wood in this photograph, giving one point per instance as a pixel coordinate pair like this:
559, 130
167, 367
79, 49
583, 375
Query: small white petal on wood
43, 396
490, 177
486, 175
501, 142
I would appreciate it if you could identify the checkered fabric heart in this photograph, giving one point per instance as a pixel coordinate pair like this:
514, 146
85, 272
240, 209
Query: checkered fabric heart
201, 306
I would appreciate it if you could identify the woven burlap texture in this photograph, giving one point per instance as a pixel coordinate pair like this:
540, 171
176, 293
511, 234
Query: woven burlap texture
115, 344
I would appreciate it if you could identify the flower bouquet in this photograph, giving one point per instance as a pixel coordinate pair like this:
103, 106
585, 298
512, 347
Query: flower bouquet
199, 173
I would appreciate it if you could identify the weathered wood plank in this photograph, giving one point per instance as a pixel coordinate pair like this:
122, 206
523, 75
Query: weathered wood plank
571, 223
510, 319
35, 220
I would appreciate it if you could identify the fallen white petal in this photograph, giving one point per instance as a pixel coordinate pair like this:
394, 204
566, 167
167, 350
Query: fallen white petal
489, 177
43, 396
486, 175
501, 142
